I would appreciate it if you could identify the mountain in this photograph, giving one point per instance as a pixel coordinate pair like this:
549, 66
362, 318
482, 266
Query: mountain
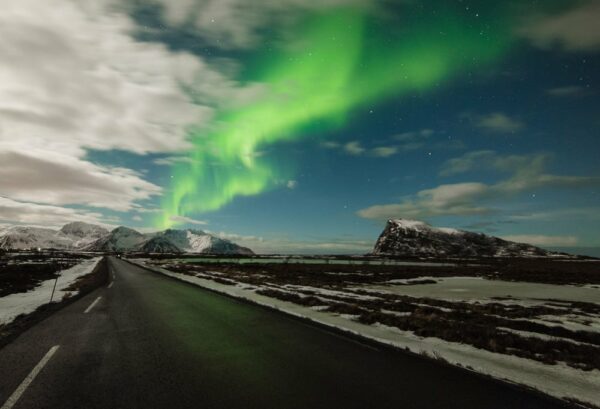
90, 237
159, 245
410, 238
82, 233
25, 237
197, 241
119, 239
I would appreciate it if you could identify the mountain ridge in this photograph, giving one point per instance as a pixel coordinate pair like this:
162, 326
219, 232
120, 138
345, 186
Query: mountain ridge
413, 238
90, 237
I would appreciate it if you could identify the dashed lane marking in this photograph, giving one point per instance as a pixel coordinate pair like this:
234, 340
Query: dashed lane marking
92, 305
27, 381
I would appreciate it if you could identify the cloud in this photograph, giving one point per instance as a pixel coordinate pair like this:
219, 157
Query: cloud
73, 79
285, 245
405, 142
353, 148
543, 240
330, 145
12, 211
466, 162
121, 93
567, 91
171, 160
52, 178
183, 219
455, 199
488, 159
413, 135
472, 198
231, 24
498, 122
292, 184
583, 213
384, 151
575, 30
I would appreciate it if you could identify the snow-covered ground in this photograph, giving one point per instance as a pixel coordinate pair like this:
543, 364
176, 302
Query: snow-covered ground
482, 290
558, 380
16, 304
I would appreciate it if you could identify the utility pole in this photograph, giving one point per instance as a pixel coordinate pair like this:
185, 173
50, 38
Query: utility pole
54, 288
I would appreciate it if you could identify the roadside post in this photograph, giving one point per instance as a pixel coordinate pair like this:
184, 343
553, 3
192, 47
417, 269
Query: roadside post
54, 288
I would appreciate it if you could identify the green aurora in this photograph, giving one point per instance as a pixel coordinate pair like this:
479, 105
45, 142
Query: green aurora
340, 62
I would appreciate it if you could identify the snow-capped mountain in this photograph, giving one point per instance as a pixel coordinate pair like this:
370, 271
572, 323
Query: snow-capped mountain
412, 238
191, 241
82, 233
25, 237
89, 237
120, 239
168, 241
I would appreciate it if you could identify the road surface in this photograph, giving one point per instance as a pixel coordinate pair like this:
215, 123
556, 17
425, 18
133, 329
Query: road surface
148, 341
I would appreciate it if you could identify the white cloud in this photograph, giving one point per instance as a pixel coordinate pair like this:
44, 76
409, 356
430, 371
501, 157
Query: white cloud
52, 178
171, 160
577, 29
414, 135
467, 162
498, 122
184, 220
73, 79
12, 212
237, 23
292, 184
543, 240
330, 145
353, 148
583, 213
566, 91
285, 245
472, 198
384, 151
455, 199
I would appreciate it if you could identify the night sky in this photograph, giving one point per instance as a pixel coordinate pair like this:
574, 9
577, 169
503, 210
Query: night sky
297, 126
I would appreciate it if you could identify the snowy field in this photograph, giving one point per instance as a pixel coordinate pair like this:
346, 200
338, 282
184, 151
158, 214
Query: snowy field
16, 304
575, 310
483, 290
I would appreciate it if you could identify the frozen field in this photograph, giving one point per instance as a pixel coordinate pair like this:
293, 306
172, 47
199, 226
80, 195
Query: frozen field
484, 290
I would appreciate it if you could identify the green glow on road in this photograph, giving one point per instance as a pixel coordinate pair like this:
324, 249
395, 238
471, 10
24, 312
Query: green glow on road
337, 64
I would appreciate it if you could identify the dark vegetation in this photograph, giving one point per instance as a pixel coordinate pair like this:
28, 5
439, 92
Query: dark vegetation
85, 285
473, 324
549, 271
21, 272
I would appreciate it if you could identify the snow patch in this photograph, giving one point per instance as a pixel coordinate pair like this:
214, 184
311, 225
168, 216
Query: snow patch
16, 304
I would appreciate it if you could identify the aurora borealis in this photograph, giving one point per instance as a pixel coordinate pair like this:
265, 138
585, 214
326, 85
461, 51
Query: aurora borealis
301, 127
336, 64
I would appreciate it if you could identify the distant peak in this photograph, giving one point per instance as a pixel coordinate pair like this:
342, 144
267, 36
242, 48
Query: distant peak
407, 223
123, 229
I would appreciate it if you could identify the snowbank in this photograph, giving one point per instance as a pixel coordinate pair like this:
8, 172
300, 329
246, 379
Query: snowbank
16, 304
556, 380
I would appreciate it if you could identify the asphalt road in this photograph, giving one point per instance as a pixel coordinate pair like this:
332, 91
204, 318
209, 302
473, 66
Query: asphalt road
153, 342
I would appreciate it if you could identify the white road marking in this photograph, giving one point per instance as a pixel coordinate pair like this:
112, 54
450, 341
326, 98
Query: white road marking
27, 381
111, 284
92, 305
